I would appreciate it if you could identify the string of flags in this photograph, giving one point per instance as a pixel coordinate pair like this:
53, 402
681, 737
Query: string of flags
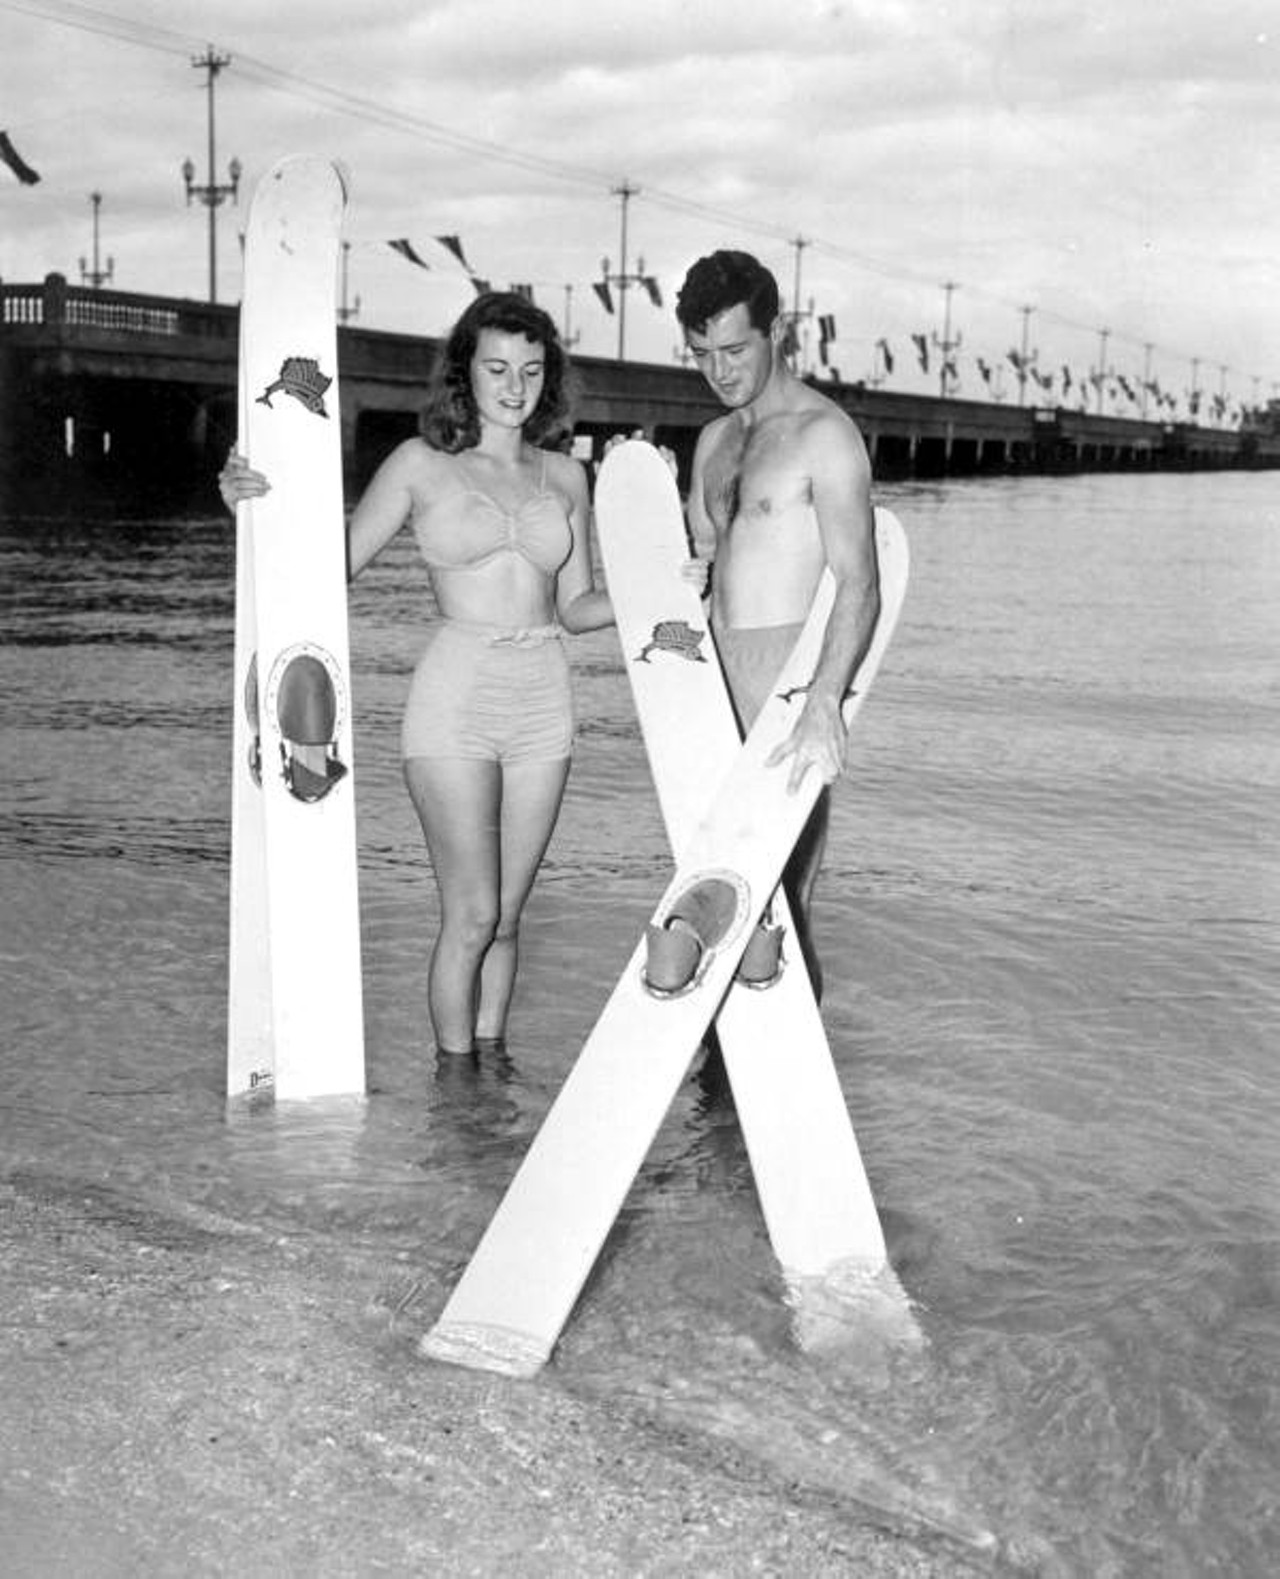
604, 293
1113, 383
1025, 366
1108, 381
452, 245
10, 156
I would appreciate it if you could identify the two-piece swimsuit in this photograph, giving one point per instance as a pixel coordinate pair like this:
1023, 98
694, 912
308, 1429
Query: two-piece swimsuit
490, 691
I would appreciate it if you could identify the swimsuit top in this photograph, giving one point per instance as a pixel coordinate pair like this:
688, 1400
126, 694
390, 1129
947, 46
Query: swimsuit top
465, 531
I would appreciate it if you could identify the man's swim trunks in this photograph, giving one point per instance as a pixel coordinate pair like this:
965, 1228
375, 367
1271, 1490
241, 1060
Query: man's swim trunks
490, 694
752, 658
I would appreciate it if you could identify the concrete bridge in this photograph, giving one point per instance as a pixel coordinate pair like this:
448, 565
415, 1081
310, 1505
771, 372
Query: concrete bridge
123, 403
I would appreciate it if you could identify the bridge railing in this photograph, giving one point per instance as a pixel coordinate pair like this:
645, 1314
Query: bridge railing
55, 304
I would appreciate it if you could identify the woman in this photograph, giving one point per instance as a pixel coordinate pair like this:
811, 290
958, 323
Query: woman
503, 527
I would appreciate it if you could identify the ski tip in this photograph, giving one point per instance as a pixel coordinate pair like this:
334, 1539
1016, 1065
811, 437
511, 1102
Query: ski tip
485, 1348
891, 537
319, 169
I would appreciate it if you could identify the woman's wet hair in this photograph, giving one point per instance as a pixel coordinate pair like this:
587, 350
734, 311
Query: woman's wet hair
450, 420
720, 281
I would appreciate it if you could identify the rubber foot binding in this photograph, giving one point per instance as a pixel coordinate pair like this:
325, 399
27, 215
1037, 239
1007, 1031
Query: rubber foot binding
761, 962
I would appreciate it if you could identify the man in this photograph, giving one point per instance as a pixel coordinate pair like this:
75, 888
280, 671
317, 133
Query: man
781, 489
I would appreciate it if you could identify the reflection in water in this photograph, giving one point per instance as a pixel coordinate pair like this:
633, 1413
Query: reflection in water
1049, 922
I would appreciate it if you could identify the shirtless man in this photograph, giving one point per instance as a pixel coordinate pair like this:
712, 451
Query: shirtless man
781, 488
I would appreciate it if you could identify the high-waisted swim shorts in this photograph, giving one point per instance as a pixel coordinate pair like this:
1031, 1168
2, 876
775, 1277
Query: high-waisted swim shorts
486, 693
752, 658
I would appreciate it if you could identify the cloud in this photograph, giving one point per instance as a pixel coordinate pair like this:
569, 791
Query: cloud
1107, 164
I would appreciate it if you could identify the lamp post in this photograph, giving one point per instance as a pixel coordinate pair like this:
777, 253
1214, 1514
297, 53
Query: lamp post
345, 313
947, 374
799, 350
211, 194
95, 276
570, 336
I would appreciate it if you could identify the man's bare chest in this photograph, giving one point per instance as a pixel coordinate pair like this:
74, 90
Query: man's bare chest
759, 479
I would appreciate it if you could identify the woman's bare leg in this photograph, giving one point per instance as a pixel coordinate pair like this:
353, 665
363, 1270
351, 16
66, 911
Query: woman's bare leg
459, 803
531, 796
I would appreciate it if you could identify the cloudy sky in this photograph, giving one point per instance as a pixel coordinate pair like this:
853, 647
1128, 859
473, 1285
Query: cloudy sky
1109, 166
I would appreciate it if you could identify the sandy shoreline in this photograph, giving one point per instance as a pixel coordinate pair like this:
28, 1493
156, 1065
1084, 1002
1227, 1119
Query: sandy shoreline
187, 1397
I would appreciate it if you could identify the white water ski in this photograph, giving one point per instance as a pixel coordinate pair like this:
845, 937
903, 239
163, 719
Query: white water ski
295, 1012
514, 1297
813, 1188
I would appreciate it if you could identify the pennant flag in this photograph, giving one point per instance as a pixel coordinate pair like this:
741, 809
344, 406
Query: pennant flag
922, 351
822, 351
826, 327
1066, 380
984, 370
651, 285
10, 156
452, 244
480, 286
883, 347
601, 288
524, 290
406, 249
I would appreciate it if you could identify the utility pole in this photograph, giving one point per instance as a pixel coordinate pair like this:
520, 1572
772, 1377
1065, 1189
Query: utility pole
626, 192
623, 279
345, 313
95, 276
1147, 349
798, 315
1103, 336
569, 337
947, 345
211, 194
1025, 359
1195, 389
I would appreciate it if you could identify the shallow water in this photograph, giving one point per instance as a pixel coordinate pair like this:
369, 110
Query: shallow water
1050, 921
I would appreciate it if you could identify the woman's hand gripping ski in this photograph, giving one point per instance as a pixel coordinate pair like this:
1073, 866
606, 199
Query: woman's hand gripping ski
238, 481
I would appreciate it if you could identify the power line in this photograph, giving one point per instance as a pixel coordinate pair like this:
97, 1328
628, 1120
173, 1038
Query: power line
94, 20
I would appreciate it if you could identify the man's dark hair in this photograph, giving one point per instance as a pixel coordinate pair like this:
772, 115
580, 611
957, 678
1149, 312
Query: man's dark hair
450, 421
722, 280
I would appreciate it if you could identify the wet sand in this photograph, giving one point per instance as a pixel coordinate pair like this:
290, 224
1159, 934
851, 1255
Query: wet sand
184, 1395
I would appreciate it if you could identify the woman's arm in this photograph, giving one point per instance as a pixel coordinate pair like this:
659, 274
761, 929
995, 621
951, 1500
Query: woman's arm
381, 512
384, 506
580, 604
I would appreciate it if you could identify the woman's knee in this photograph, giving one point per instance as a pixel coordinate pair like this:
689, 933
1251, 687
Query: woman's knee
470, 926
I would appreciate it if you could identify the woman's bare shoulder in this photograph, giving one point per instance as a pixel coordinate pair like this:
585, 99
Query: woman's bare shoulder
564, 472
415, 465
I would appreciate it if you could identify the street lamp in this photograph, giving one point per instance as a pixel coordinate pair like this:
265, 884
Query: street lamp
212, 194
95, 276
